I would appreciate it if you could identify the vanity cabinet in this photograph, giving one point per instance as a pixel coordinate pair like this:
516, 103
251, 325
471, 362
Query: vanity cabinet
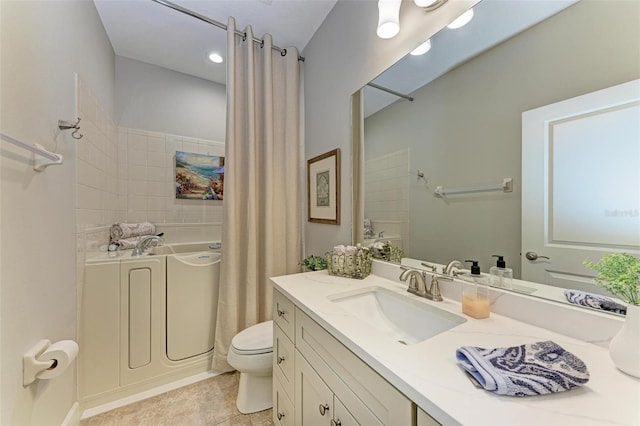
318, 405
318, 381
424, 419
283, 360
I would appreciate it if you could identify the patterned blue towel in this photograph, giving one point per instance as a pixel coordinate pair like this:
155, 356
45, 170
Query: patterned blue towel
534, 369
595, 301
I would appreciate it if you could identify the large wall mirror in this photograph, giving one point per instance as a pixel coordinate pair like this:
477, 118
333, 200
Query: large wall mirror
458, 124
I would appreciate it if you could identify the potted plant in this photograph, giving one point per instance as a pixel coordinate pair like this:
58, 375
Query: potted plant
313, 263
619, 273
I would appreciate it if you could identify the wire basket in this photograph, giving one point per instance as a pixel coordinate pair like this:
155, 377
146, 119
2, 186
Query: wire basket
383, 250
356, 265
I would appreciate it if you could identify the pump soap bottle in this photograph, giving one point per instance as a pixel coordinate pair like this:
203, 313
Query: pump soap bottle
500, 275
475, 295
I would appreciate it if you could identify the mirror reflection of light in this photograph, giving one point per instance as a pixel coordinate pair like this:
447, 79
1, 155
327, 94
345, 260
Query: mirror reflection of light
461, 20
422, 49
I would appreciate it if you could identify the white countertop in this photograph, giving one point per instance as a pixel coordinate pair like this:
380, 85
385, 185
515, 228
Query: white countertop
427, 372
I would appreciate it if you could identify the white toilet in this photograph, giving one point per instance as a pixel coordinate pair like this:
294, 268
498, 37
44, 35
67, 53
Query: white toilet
251, 353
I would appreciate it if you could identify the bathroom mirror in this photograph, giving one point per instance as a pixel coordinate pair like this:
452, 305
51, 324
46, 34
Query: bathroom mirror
464, 125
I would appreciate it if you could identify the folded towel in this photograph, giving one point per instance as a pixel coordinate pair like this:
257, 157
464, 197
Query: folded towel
533, 369
120, 231
595, 301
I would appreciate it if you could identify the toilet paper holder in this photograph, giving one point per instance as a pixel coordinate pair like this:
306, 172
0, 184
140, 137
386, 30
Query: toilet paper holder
31, 366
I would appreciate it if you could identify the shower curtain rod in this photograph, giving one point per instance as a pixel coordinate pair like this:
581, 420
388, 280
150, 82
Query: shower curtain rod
215, 23
393, 92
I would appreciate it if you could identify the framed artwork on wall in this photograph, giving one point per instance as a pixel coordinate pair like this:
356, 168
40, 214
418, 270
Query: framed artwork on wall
199, 176
323, 188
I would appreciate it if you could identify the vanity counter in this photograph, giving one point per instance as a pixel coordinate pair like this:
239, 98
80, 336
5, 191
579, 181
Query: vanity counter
428, 374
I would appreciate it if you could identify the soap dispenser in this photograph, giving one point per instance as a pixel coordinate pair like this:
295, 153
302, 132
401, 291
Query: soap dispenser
475, 294
500, 275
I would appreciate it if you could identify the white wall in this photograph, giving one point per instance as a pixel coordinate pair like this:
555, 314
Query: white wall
161, 100
343, 55
43, 44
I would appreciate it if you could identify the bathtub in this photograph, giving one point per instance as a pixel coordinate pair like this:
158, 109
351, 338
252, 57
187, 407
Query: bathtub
146, 321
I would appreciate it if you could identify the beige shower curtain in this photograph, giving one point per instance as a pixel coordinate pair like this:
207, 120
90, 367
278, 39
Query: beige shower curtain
262, 202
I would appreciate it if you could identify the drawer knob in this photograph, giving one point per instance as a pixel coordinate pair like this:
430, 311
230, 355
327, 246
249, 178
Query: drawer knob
280, 360
323, 408
281, 313
280, 416
336, 422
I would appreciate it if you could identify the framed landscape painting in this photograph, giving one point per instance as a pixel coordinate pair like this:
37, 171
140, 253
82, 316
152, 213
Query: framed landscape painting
199, 176
323, 188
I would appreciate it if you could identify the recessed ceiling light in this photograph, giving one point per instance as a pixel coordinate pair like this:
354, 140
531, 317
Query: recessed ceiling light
422, 49
461, 20
214, 57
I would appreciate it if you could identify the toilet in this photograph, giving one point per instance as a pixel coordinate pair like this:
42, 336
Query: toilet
251, 353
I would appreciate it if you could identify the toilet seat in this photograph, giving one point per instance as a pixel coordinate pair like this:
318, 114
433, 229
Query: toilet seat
255, 340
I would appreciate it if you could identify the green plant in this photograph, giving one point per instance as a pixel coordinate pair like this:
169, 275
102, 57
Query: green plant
314, 263
619, 273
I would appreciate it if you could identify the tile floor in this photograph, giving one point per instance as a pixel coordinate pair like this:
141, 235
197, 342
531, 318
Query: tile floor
209, 402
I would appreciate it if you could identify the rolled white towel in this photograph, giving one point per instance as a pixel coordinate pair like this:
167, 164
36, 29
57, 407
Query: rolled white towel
340, 249
351, 250
120, 231
126, 243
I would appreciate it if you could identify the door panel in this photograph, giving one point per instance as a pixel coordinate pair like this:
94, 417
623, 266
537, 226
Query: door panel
580, 184
311, 394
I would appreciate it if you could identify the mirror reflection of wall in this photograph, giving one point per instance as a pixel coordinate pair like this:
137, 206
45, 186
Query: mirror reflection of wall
464, 128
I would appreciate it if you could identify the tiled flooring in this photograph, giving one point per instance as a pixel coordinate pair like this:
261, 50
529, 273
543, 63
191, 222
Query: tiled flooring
211, 402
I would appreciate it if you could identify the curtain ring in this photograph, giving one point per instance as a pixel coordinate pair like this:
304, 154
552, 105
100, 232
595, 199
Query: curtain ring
283, 52
244, 36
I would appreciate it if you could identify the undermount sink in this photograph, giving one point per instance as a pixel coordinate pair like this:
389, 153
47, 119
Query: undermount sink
401, 317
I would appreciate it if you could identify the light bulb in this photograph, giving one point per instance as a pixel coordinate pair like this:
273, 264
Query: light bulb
424, 3
422, 49
214, 57
461, 20
388, 18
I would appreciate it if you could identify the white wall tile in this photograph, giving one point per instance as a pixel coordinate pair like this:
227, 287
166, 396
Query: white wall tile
155, 144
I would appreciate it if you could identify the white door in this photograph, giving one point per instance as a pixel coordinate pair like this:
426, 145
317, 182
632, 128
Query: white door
580, 185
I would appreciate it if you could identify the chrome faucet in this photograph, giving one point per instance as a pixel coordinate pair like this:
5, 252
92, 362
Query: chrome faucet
418, 284
448, 270
143, 244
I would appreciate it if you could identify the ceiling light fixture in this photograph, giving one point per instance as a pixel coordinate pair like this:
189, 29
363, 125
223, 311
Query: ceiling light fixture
461, 20
388, 18
422, 49
429, 5
216, 58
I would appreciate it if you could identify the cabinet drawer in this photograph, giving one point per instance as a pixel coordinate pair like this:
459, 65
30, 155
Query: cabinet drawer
284, 314
283, 412
283, 359
347, 375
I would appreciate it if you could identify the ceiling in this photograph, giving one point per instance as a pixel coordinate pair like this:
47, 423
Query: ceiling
155, 34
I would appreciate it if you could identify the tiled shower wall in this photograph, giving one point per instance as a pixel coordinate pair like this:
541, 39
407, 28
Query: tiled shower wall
127, 175
146, 178
386, 199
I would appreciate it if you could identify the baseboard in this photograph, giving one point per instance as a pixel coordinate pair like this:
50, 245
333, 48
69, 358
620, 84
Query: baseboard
94, 411
73, 416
